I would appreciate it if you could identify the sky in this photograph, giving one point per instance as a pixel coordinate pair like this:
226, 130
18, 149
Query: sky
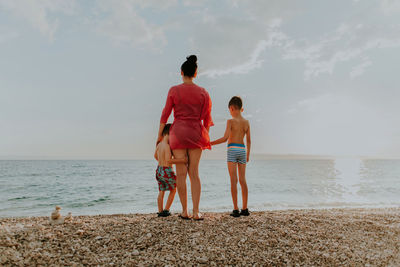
89, 79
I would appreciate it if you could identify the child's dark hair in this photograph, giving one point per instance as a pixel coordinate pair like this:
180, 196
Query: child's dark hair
166, 129
189, 67
235, 101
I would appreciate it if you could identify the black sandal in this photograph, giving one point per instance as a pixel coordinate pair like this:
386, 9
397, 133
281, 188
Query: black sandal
245, 212
164, 213
235, 213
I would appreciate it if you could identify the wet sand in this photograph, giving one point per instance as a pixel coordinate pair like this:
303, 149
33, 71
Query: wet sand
334, 237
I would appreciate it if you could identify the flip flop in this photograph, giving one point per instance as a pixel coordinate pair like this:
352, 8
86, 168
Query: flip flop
201, 218
184, 218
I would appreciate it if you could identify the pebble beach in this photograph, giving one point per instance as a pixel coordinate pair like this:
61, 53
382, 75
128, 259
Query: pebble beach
333, 237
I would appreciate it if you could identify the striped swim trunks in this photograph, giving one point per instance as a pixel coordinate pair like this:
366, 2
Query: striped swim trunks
236, 153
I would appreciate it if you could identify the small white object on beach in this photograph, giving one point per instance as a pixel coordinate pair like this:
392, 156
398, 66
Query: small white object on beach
202, 259
56, 217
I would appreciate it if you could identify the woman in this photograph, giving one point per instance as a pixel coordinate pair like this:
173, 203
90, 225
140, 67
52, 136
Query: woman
189, 131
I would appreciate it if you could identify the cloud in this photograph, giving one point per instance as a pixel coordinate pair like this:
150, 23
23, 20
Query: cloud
232, 39
232, 45
235, 45
253, 61
360, 69
390, 7
312, 104
39, 13
346, 43
122, 22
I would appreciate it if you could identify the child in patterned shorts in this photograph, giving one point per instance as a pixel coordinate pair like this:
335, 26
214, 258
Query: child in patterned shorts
165, 175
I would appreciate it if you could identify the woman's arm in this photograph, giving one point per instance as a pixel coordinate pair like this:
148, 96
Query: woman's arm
165, 114
206, 113
248, 142
226, 135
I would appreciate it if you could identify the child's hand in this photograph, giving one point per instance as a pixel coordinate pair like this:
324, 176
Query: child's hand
248, 158
159, 139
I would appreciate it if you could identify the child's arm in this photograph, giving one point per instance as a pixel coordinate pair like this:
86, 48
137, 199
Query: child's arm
170, 160
177, 161
226, 135
155, 153
248, 141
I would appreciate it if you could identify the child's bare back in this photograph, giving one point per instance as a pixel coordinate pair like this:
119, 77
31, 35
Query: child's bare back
238, 128
163, 152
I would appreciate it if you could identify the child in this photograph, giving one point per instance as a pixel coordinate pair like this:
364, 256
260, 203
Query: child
236, 129
165, 175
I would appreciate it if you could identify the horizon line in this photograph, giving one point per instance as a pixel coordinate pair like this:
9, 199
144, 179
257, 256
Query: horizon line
256, 156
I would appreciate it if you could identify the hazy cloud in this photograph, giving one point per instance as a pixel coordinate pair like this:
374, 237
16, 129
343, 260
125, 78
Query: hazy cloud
390, 7
360, 69
347, 42
254, 60
39, 13
120, 21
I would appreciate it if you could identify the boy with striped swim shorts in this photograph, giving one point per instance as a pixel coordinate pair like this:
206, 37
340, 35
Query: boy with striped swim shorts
237, 154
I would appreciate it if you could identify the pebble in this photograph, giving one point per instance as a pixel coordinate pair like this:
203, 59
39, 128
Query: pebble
336, 237
203, 259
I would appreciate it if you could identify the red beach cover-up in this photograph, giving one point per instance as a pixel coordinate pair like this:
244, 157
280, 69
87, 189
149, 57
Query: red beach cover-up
192, 106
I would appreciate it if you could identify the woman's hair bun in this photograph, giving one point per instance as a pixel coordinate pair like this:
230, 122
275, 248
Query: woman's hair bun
191, 58
189, 67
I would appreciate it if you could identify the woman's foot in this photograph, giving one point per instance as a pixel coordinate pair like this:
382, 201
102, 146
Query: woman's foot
245, 212
197, 217
183, 217
235, 213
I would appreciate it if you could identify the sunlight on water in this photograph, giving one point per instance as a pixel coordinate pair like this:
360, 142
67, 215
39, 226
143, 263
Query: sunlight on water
348, 176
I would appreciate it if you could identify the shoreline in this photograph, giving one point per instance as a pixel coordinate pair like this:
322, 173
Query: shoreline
321, 237
222, 210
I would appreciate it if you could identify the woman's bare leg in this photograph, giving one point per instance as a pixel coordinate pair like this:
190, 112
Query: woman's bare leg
181, 172
195, 184
170, 199
243, 184
232, 169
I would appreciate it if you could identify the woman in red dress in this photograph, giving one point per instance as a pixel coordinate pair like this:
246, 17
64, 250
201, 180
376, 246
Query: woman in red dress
189, 132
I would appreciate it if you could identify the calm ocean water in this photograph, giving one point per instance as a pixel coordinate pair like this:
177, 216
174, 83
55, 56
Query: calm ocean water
31, 188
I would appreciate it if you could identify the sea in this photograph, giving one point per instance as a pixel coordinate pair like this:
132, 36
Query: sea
86, 187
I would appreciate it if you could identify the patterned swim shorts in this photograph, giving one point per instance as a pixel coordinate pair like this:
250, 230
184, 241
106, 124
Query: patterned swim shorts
166, 178
236, 153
